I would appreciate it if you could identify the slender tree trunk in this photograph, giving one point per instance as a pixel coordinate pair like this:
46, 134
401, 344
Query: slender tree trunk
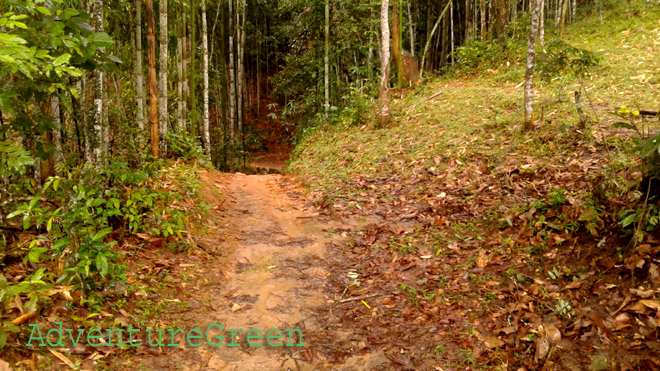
326, 59
542, 22
370, 54
180, 122
574, 5
529, 73
162, 81
451, 16
232, 76
99, 147
240, 86
468, 19
191, 73
514, 10
205, 67
57, 131
396, 41
151, 78
562, 22
411, 29
482, 9
186, 76
139, 74
383, 96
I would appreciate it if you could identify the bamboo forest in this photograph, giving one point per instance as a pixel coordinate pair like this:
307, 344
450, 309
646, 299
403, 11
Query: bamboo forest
330, 185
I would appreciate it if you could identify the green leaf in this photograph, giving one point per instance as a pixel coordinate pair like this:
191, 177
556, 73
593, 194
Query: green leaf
99, 235
628, 220
102, 264
62, 59
3, 339
17, 212
102, 39
115, 59
43, 10
33, 202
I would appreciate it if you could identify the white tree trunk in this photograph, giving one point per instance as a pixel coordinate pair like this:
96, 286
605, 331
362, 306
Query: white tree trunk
411, 29
383, 97
574, 17
529, 73
205, 72
139, 74
162, 80
99, 149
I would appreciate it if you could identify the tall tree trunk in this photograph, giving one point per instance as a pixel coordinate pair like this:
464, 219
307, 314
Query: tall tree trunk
232, 76
468, 19
451, 38
180, 122
562, 22
396, 41
411, 29
139, 74
501, 18
191, 72
326, 59
205, 72
240, 77
514, 10
574, 5
186, 76
99, 146
482, 9
162, 81
529, 72
383, 96
542, 22
57, 130
151, 78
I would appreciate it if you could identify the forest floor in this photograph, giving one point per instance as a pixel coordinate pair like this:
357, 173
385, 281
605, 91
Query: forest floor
263, 267
486, 247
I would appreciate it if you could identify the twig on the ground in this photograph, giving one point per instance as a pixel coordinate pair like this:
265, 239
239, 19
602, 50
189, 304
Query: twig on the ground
357, 298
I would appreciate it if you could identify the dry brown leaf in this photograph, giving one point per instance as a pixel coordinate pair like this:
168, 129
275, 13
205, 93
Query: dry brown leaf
62, 358
653, 304
4, 366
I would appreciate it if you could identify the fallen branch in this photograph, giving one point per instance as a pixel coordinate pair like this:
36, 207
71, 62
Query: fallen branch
357, 298
427, 99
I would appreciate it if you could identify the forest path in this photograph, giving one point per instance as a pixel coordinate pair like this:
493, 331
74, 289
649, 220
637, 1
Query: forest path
271, 275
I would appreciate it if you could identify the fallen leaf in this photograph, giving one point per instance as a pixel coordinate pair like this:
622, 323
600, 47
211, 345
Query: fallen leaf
62, 358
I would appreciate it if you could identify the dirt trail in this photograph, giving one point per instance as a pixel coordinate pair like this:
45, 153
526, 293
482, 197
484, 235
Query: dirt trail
271, 277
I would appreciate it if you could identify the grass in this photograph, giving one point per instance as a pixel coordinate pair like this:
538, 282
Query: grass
479, 117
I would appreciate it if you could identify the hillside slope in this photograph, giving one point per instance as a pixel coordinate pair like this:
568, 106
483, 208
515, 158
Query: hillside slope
482, 245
